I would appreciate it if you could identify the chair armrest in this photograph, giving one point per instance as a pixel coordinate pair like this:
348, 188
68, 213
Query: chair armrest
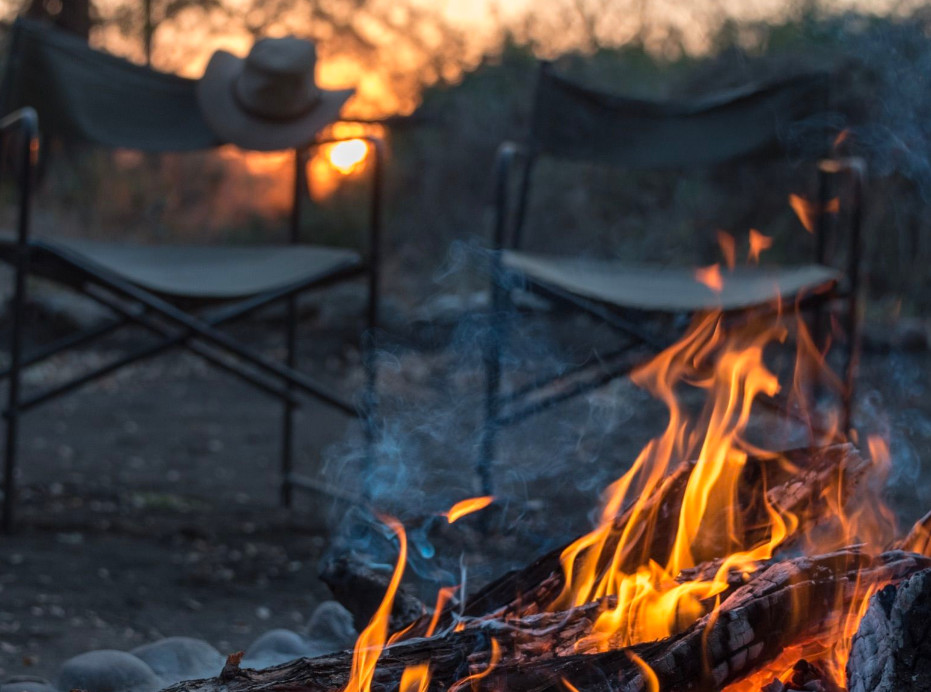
25, 121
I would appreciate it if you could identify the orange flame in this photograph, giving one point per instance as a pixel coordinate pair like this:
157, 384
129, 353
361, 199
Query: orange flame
758, 243
648, 602
649, 676
372, 639
415, 678
842, 137
465, 507
728, 249
710, 277
475, 677
808, 212
568, 685
442, 598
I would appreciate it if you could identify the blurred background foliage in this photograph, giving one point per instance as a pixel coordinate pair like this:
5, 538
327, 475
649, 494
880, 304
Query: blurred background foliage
467, 83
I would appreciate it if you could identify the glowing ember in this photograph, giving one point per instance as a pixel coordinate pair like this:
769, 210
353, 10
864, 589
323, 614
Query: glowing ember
710, 277
349, 156
464, 507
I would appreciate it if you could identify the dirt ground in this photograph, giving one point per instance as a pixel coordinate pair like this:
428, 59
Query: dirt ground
149, 500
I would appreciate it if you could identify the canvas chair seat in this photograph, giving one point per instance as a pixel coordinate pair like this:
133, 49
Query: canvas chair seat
209, 273
669, 289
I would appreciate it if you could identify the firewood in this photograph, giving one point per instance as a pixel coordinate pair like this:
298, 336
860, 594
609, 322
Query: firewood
785, 603
891, 650
360, 589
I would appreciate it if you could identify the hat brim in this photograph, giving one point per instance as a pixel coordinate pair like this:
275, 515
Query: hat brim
234, 125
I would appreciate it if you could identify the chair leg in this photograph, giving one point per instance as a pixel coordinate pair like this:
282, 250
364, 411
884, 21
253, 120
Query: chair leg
12, 408
369, 411
492, 358
851, 359
287, 423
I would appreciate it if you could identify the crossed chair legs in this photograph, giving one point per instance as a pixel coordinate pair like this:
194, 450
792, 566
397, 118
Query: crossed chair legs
177, 328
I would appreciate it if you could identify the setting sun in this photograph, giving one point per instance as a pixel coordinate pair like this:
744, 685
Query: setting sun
347, 157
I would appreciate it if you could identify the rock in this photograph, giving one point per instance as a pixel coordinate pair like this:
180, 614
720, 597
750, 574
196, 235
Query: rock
274, 647
26, 683
181, 658
330, 629
107, 671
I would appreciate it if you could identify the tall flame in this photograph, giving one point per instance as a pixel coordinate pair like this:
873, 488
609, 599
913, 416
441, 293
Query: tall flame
372, 639
646, 600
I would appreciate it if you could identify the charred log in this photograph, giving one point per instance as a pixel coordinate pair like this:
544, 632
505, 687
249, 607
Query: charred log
892, 648
786, 603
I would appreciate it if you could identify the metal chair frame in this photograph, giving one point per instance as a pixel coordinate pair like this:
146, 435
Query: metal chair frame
176, 327
503, 410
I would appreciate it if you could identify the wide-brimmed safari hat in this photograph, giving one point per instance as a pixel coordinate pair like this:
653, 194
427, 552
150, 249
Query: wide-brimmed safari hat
268, 100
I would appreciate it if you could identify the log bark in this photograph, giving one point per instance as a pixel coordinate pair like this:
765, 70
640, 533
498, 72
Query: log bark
785, 603
891, 650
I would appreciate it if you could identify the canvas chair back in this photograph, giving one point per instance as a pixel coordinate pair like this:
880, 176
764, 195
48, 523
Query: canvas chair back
575, 122
86, 95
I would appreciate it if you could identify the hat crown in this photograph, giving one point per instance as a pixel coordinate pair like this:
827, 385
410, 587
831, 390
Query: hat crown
277, 79
284, 56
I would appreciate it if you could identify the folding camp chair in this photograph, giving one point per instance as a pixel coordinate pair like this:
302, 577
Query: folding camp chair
182, 295
571, 122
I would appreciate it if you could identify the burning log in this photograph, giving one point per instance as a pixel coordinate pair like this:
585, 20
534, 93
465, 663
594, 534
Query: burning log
525, 591
783, 604
806, 677
892, 648
786, 603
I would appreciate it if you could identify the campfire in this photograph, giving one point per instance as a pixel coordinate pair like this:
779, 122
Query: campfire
718, 563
